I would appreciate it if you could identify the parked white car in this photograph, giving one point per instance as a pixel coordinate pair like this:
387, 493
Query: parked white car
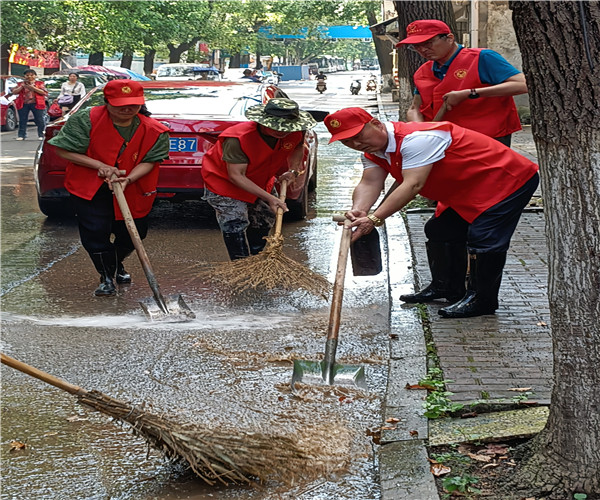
180, 71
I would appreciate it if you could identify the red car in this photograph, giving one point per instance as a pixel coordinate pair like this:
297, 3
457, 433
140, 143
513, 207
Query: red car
196, 113
8, 114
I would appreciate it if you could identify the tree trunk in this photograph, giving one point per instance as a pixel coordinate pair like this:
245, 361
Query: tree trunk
127, 59
149, 61
96, 59
560, 45
408, 61
175, 52
234, 60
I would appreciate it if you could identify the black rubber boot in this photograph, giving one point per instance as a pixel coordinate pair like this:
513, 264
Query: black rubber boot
123, 277
237, 245
483, 287
256, 238
106, 265
448, 264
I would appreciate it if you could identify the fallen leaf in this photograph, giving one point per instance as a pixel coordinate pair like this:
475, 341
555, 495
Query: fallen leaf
520, 389
17, 445
465, 449
480, 458
392, 420
419, 387
497, 449
414, 433
487, 466
375, 434
469, 415
510, 462
388, 428
541, 323
440, 469
393, 335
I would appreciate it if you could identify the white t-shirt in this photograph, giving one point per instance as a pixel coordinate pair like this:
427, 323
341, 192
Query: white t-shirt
418, 149
72, 89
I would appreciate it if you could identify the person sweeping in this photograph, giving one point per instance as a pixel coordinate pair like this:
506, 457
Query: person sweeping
240, 171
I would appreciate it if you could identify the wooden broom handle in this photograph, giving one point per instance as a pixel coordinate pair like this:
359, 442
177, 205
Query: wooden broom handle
441, 112
40, 375
279, 216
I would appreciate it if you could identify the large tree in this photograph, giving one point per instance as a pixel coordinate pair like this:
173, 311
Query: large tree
560, 45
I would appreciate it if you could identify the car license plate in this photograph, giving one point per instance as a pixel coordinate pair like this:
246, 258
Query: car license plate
183, 144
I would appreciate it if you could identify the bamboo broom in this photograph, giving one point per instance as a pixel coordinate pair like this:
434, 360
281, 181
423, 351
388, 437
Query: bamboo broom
214, 454
269, 269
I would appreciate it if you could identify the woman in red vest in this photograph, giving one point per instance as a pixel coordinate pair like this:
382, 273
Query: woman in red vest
239, 172
486, 184
117, 139
31, 97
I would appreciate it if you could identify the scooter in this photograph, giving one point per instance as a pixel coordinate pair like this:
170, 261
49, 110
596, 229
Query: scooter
321, 87
371, 83
355, 87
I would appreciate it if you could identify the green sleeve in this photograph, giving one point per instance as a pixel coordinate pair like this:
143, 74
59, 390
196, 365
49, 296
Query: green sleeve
74, 136
160, 150
232, 151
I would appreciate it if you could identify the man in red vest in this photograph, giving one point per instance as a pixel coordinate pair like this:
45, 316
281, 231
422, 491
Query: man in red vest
31, 97
240, 170
477, 85
484, 182
117, 139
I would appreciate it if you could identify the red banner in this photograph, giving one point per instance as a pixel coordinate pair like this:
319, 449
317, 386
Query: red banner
33, 57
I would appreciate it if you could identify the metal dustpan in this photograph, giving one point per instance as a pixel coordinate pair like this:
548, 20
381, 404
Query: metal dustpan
174, 307
171, 307
328, 371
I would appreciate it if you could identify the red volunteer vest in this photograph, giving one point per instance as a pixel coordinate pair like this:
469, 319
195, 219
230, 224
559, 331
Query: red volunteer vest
492, 116
40, 100
105, 144
263, 162
476, 173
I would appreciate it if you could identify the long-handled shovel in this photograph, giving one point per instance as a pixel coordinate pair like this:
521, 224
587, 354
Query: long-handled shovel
217, 454
328, 371
172, 306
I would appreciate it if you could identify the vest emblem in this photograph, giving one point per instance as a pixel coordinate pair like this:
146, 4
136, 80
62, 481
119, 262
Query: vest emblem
134, 156
287, 146
460, 73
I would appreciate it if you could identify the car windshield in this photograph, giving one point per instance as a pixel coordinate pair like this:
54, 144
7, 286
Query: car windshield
223, 100
177, 71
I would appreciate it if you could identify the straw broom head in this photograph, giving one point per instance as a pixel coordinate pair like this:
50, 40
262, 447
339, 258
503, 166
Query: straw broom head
230, 455
270, 269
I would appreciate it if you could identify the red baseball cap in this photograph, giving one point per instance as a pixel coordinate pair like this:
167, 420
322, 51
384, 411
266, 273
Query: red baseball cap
423, 30
346, 123
124, 93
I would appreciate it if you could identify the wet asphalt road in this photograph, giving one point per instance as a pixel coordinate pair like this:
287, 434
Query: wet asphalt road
231, 366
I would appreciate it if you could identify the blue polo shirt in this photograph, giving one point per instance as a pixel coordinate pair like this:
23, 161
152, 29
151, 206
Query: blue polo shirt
493, 68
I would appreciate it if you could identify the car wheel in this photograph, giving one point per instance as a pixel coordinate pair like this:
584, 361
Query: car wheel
11, 120
312, 182
56, 207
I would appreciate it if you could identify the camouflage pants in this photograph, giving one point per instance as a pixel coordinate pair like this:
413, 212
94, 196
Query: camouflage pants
236, 216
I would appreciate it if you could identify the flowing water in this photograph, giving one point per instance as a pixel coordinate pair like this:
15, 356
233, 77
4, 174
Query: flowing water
231, 366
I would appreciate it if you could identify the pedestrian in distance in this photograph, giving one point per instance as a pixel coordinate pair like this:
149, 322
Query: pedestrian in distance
240, 171
250, 75
31, 97
485, 183
71, 92
476, 85
116, 142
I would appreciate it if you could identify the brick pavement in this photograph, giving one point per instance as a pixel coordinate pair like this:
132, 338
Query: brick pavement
486, 356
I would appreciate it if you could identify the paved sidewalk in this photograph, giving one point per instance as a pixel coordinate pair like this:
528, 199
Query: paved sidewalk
484, 357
